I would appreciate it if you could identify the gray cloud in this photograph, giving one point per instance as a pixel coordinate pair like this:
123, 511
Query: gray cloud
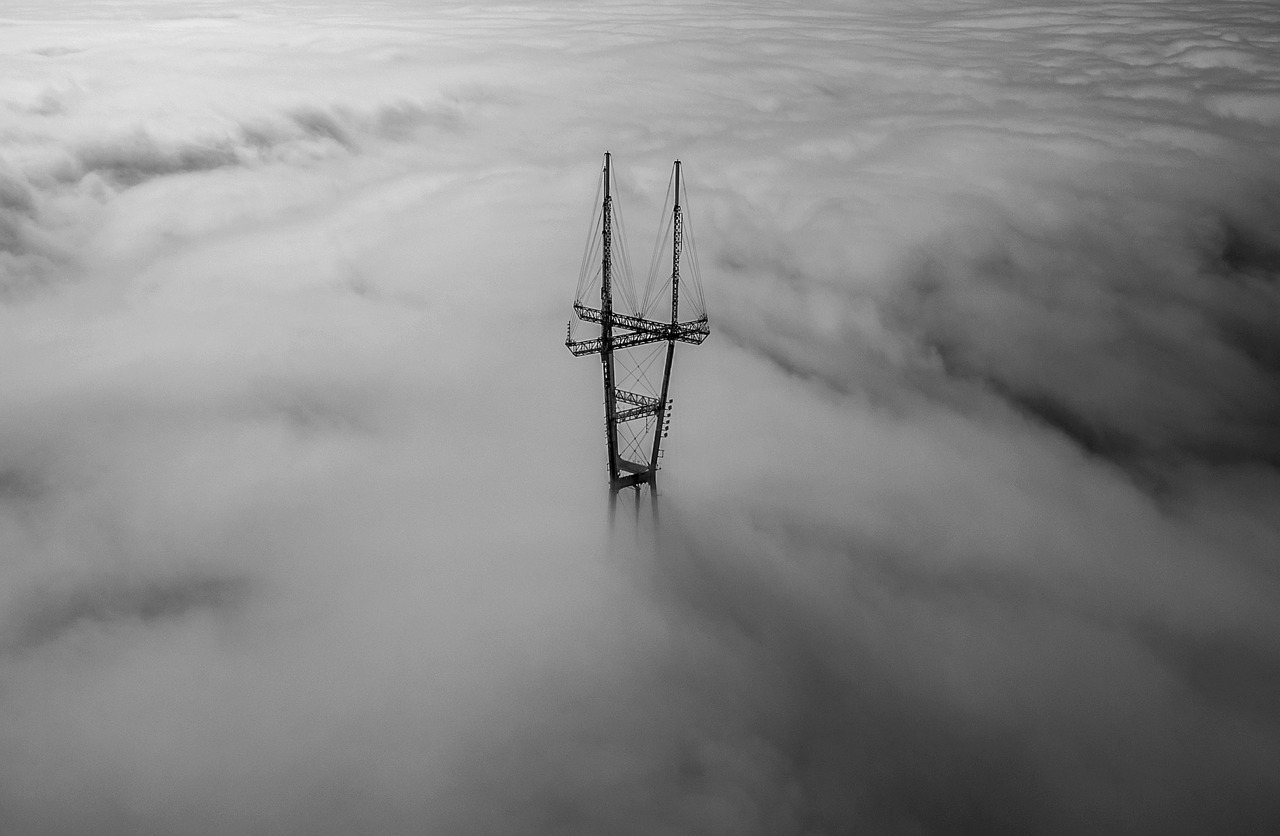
1156, 328
105, 601
969, 512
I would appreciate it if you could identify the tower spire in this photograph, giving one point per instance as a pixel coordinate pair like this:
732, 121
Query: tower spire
606, 322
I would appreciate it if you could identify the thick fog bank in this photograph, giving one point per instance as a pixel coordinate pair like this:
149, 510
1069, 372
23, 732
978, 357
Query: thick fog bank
970, 513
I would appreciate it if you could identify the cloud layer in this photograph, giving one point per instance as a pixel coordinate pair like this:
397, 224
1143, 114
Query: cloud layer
969, 517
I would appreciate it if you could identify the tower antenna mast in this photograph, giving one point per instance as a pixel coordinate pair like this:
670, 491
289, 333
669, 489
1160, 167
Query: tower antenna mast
635, 421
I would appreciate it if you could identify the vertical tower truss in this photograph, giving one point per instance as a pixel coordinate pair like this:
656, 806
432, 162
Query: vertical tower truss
636, 347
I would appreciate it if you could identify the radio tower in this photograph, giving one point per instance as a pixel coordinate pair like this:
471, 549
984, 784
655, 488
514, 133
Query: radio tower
630, 343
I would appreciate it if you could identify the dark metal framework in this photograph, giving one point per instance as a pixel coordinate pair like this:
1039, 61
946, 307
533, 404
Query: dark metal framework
620, 331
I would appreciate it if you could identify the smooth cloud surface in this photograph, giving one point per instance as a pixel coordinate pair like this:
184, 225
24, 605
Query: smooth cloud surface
970, 510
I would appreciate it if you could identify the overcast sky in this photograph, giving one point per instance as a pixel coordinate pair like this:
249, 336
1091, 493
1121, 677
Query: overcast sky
971, 502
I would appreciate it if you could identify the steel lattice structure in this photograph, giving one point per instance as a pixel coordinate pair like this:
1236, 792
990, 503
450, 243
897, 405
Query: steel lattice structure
635, 421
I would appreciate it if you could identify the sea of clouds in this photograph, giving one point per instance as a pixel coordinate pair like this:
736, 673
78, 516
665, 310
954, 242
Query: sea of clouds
970, 518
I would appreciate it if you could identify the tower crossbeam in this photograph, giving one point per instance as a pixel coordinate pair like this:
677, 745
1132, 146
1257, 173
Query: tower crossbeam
635, 398
635, 412
693, 331
634, 323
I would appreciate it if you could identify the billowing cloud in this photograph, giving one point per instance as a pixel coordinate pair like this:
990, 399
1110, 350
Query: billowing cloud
969, 513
